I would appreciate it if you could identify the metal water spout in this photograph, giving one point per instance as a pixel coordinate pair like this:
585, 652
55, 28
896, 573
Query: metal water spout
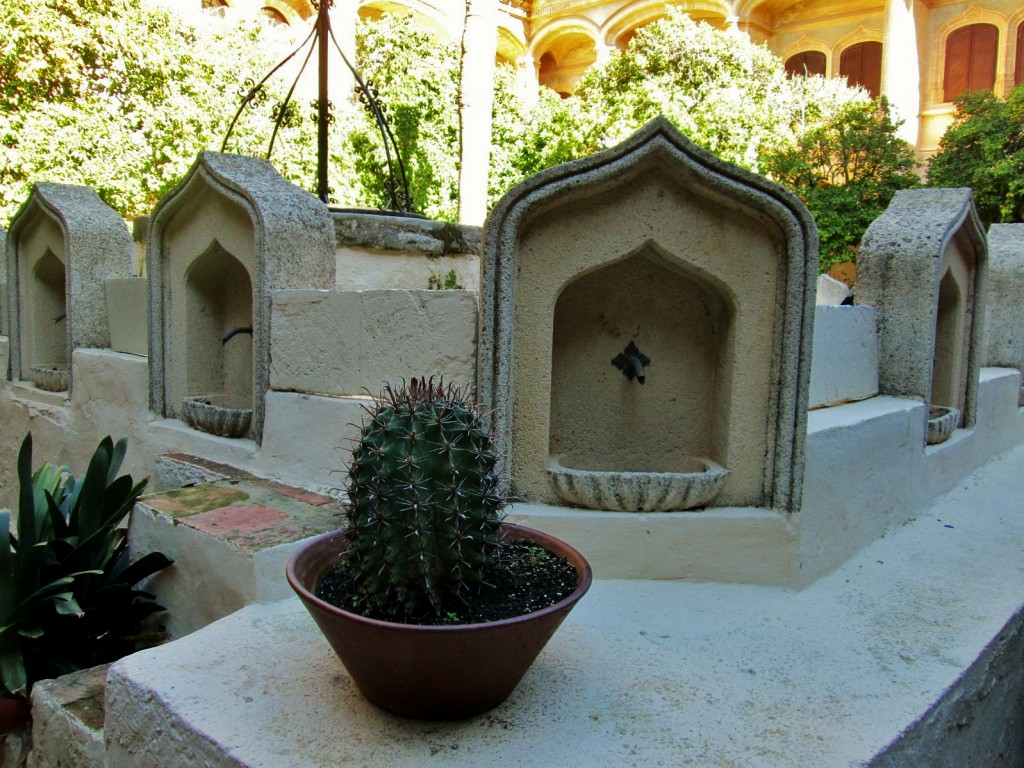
632, 362
234, 332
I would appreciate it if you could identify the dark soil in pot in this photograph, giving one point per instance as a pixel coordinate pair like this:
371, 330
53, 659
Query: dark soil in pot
526, 578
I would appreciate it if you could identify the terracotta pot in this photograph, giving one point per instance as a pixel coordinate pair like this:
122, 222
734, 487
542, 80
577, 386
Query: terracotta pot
432, 672
14, 713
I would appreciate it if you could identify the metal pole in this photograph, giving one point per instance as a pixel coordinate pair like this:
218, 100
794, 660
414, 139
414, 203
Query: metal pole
323, 25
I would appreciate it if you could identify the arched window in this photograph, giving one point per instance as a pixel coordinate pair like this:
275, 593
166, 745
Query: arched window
861, 64
274, 16
971, 53
806, 63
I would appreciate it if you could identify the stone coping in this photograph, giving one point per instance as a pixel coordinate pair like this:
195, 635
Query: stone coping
848, 671
383, 232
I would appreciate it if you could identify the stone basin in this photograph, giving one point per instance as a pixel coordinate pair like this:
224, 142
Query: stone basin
942, 420
693, 482
217, 414
53, 377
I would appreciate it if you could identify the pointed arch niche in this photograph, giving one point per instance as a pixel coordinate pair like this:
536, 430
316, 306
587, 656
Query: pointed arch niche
923, 265
701, 265
232, 232
63, 244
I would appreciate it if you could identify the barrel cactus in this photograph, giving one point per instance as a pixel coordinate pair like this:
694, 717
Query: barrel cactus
425, 500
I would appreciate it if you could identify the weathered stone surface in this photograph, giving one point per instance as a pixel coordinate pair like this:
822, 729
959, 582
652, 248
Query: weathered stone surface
238, 219
1004, 309
352, 342
646, 673
844, 358
831, 292
404, 233
923, 265
229, 540
128, 310
67, 721
708, 268
68, 228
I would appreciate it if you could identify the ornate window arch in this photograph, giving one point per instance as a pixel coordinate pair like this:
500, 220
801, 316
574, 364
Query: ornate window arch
972, 16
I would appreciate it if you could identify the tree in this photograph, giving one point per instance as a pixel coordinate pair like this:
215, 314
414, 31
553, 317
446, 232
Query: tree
846, 170
826, 141
984, 149
120, 95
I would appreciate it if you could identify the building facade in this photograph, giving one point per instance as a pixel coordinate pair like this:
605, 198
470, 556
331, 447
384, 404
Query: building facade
921, 54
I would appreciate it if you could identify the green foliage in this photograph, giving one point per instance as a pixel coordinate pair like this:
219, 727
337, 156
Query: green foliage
424, 500
846, 170
984, 149
67, 596
415, 79
449, 282
122, 95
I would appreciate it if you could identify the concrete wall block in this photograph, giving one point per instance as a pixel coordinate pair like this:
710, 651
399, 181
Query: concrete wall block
1004, 310
197, 557
362, 269
361, 339
128, 309
67, 721
844, 357
309, 442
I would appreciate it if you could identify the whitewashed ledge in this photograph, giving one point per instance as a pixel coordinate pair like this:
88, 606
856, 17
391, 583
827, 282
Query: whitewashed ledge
907, 655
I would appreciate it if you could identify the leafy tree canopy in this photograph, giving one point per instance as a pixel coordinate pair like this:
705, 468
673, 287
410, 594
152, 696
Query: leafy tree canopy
119, 95
984, 149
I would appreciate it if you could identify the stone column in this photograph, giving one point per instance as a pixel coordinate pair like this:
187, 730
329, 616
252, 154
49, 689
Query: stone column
343, 27
901, 66
526, 77
476, 97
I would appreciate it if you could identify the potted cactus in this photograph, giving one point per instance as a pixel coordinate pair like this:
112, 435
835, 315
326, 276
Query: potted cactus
425, 539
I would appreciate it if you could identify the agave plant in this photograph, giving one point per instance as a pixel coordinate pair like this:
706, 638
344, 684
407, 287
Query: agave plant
67, 588
425, 500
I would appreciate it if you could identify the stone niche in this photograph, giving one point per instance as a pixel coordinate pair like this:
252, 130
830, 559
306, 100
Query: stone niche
923, 265
64, 242
228, 236
708, 272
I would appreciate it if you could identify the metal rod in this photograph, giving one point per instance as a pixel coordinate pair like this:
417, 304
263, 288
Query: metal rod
323, 26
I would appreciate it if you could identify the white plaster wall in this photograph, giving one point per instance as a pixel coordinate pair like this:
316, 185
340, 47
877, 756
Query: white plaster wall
868, 468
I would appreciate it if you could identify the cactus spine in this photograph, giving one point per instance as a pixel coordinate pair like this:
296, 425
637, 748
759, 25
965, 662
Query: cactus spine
424, 500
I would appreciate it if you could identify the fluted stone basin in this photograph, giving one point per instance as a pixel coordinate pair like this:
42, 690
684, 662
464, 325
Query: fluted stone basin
694, 482
52, 377
942, 420
216, 414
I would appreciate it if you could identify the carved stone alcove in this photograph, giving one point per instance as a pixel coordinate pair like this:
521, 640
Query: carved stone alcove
64, 242
923, 265
703, 269
232, 232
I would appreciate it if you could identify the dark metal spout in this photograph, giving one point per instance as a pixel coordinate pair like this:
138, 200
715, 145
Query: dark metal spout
234, 332
632, 363
58, 318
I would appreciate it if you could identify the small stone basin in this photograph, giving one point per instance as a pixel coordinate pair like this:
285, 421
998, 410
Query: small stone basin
217, 414
53, 377
693, 482
942, 420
